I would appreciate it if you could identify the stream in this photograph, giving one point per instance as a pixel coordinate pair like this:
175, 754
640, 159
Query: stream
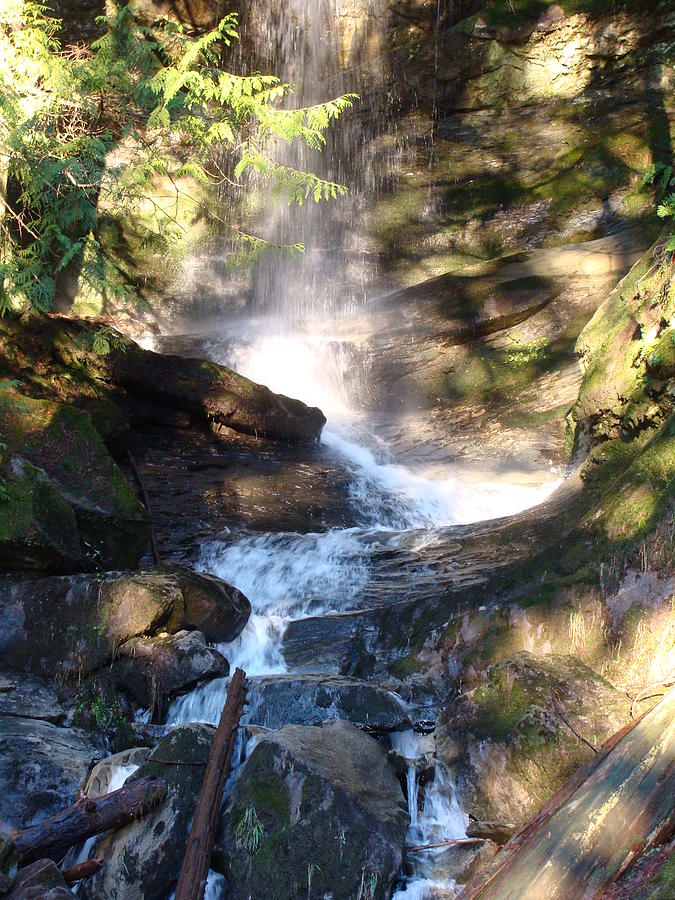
299, 335
288, 576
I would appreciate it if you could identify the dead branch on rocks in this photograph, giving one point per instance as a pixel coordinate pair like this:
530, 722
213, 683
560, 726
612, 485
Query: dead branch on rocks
192, 881
51, 838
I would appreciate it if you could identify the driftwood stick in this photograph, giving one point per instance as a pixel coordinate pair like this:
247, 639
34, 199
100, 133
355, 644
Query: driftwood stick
81, 870
192, 881
54, 836
148, 509
457, 842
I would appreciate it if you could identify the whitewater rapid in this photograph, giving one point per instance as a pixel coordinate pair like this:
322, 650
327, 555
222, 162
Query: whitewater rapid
289, 576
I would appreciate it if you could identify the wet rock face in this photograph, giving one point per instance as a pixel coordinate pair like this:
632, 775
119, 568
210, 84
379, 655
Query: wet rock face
74, 624
41, 768
511, 740
315, 810
144, 859
100, 778
153, 670
309, 700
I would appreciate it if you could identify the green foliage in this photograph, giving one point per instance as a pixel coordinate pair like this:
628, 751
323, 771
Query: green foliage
161, 95
106, 339
250, 831
660, 177
97, 707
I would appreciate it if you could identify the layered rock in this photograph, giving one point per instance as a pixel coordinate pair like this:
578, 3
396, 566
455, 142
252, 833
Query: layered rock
314, 810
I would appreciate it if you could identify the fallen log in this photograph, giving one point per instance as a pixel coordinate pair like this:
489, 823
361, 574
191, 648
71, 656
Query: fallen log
51, 838
192, 880
609, 813
85, 869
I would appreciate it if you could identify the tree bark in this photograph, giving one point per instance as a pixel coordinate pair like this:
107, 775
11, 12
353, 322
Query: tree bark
192, 881
609, 813
51, 838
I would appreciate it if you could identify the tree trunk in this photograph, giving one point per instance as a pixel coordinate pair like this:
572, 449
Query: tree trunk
607, 815
192, 881
54, 836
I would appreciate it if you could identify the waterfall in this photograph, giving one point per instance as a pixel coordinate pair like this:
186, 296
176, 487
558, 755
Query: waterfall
297, 331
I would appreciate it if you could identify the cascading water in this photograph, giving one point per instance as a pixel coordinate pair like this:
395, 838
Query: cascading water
297, 340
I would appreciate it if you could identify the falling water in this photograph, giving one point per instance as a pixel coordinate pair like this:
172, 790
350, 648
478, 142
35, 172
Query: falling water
294, 336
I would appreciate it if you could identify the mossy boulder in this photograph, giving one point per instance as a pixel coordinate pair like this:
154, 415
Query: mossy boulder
626, 352
38, 529
511, 741
70, 625
207, 392
106, 524
316, 810
152, 670
144, 859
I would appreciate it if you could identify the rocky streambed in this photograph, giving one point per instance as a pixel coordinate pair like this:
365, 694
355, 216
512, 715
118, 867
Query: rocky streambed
449, 572
421, 672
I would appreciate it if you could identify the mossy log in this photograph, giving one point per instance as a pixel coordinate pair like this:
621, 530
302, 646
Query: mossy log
51, 838
590, 833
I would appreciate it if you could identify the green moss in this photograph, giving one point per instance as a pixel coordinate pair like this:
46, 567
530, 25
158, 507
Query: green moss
35, 520
501, 706
662, 885
405, 666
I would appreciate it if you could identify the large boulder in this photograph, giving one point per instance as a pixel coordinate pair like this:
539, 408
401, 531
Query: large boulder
316, 811
71, 625
208, 393
144, 859
99, 523
30, 698
515, 738
279, 700
41, 768
154, 670
42, 880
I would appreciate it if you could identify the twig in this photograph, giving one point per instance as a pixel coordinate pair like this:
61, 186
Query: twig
644, 695
560, 712
146, 501
456, 842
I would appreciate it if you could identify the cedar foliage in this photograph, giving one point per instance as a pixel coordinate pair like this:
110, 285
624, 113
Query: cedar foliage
158, 90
